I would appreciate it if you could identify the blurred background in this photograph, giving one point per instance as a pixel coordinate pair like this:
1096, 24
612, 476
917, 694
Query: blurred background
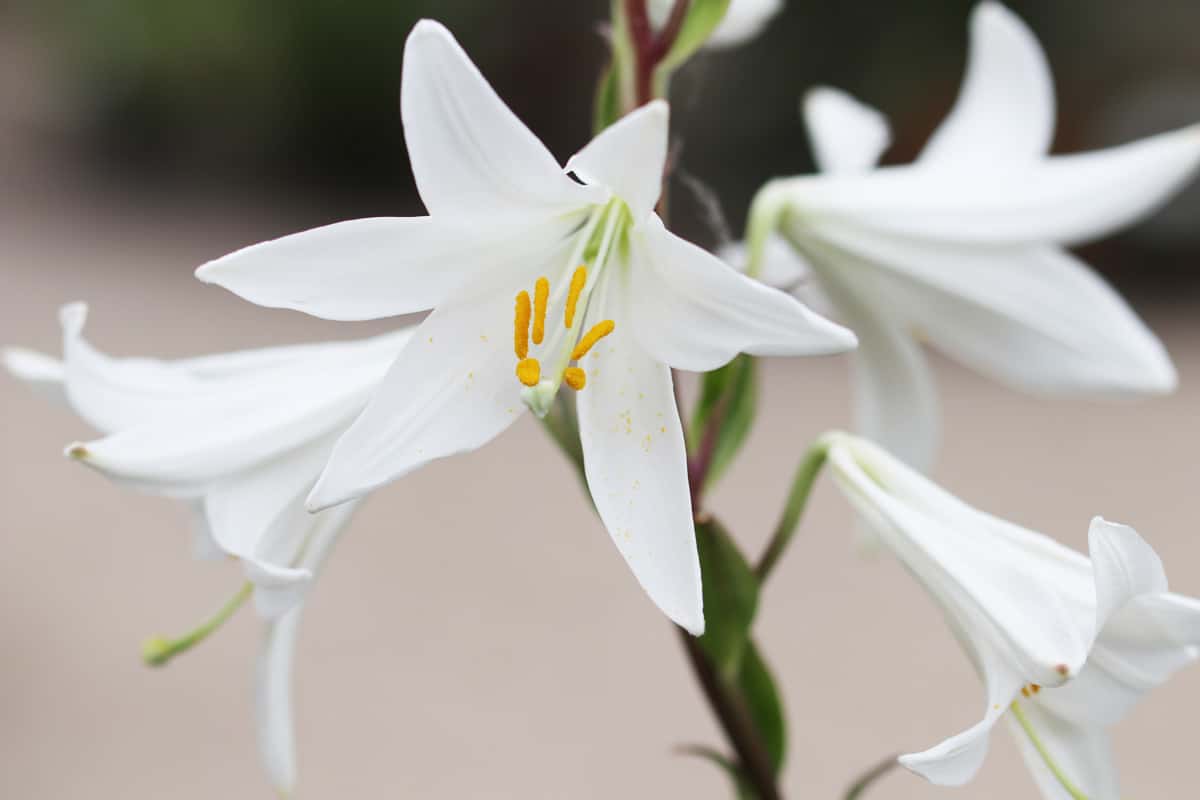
446, 654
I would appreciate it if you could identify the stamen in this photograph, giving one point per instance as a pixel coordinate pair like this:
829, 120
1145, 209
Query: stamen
598, 332
577, 282
541, 293
529, 371
575, 378
521, 326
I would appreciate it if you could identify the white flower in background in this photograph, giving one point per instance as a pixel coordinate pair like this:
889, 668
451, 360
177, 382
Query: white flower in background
963, 248
613, 293
743, 20
1065, 644
240, 437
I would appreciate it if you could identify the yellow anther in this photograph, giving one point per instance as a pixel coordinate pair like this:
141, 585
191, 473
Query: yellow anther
577, 282
575, 378
541, 293
598, 332
529, 371
521, 326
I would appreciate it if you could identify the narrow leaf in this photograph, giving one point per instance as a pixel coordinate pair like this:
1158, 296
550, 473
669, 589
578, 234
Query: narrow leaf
728, 400
702, 18
763, 701
606, 108
730, 598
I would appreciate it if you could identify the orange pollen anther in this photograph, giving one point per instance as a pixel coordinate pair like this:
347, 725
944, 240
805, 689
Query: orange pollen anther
575, 378
577, 282
529, 371
598, 332
541, 294
521, 326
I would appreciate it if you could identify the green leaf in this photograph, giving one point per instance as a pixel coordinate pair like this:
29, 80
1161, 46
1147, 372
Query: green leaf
606, 108
730, 598
702, 18
740, 785
763, 702
729, 400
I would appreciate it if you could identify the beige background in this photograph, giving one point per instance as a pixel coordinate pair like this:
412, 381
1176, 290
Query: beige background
477, 635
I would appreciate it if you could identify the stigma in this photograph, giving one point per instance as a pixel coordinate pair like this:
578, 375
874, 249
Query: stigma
567, 347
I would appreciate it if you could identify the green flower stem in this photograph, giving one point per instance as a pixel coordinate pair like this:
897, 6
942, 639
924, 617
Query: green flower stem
159, 650
802, 484
868, 778
729, 707
1048, 759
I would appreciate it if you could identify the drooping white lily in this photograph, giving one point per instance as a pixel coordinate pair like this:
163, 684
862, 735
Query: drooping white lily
963, 248
1065, 644
743, 20
613, 293
241, 437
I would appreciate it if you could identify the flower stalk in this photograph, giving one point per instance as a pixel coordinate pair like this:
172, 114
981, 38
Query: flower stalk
159, 650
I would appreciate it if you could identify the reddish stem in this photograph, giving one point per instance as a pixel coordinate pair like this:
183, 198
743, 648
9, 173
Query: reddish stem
649, 48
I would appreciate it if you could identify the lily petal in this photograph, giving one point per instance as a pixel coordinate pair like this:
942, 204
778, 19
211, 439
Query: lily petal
188, 452
372, 268
469, 152
45, 374
693, 311
452, 390
1035, 317
273, 676
847, 136
1084, 754
957, 760
1126, 567
896, 402
628, 157
1062, 199
636, 470
1005, 109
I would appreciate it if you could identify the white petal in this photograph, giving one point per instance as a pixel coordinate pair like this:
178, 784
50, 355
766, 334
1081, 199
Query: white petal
189, 451
204, 544
1083, 754
693, 311
847, 136
1126, 567
273, 677
1014, 607
1005, 109
259, 363
783, 267
273, 702
896, 402
636, 469
370, 268
744, 20
43, 373
1034, 318
957, 760
470, 154
628, 157
1063, 199
452, 390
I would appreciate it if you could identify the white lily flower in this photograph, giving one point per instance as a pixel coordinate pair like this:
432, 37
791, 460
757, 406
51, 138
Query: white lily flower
743, 20
1064, 644
241, 437
612, 291
963, 248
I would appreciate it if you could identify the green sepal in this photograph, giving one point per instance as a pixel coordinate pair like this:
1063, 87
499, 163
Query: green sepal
728, 399
730, 599
764, 703
702, 18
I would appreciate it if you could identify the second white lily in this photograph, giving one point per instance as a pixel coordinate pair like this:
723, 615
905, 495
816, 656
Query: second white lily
963, 248
1065, 644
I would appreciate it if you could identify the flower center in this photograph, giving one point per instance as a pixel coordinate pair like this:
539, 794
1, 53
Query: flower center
564, 346
572, 347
